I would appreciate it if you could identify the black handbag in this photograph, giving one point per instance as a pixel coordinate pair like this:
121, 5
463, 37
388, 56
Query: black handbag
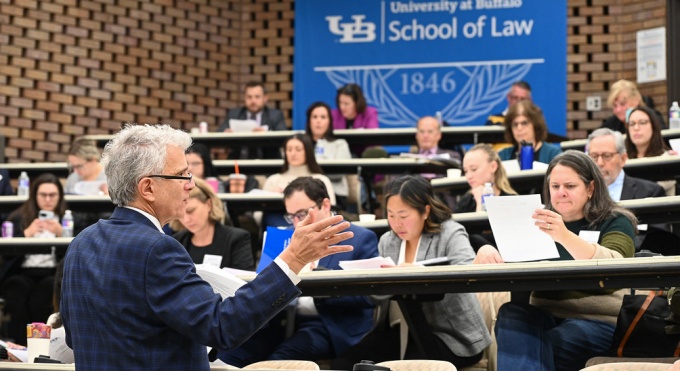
644, 329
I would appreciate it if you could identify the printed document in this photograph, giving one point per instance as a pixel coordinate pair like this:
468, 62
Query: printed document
242, 125
517, 237
222, 282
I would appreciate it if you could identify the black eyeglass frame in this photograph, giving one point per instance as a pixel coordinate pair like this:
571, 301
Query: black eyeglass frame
290, 218
178, 177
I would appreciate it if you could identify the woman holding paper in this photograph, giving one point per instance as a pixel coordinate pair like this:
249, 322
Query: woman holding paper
561, 330
644, 139
422, 229
207, 240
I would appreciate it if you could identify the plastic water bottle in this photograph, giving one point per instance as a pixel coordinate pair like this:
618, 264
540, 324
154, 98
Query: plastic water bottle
67, 224
439, 118
24, 184
674, 116
487, 191
526, 156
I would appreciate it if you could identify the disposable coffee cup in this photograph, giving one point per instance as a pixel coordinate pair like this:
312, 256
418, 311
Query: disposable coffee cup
366, 217
38, 340
454, 173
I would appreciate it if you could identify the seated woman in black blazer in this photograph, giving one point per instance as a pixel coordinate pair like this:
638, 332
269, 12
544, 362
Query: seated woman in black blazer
207, 240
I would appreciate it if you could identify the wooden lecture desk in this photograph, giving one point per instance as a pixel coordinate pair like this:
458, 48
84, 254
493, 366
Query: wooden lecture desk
398, 136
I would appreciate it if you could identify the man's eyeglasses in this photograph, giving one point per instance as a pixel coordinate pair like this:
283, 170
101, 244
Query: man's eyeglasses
179, 177
606, 156
290, 218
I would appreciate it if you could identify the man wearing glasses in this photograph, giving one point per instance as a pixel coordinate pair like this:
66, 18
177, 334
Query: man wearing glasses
324, 327
131, 298
607, 148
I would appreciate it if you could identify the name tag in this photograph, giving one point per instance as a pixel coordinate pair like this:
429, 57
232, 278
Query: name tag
590, 236
214, 260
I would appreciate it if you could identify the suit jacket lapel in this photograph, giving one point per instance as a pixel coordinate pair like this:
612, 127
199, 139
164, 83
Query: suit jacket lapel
629, 189
426, 243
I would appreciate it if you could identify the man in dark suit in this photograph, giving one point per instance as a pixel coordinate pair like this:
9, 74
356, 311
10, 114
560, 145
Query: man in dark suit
131, 298
520, 90
255, 100
324, 327
606, 147
428, 135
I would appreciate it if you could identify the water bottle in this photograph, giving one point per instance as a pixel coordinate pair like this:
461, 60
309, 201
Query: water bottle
439, 118
24, 184
319, 149
674, 116
487, 191
526, 156
67, 224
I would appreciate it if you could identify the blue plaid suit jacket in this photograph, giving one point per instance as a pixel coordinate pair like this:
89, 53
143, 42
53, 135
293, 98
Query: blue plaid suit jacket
131, 300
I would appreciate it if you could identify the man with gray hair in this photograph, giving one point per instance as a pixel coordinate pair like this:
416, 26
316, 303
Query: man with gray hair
607, 149
131, 298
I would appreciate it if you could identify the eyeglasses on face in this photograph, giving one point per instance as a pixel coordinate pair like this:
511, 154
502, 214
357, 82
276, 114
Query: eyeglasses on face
48, 195
606, 156
76, 166
517, 124
179, 177
640, 123
301, 214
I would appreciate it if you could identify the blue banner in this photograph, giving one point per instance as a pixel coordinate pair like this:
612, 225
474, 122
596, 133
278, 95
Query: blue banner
415, 58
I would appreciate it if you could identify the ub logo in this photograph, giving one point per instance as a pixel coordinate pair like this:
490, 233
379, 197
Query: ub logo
352, 32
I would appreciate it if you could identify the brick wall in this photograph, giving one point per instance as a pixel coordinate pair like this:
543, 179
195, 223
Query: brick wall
601, 49
75, 67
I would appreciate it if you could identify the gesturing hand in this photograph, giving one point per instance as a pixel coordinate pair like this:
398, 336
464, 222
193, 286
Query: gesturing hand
314, 239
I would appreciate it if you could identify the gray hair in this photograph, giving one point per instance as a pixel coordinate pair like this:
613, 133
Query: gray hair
602, 132
135, 152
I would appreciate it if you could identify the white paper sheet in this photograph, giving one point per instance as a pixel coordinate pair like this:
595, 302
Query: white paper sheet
512, 166
517, 237
242, 125
372, 263
675, 144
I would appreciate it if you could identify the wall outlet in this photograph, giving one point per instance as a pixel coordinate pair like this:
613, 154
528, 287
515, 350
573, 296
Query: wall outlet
594, 103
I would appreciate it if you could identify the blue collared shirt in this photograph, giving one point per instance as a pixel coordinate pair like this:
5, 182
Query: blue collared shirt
616, 188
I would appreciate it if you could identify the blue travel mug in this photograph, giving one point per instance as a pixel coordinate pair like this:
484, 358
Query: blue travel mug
526, 156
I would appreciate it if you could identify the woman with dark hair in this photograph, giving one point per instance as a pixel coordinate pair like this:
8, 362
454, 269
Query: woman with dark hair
47, 194
561, 330
353, 112
525, 123
298, 160
200, 161
644, 139
28, 279
421, 228
327, 146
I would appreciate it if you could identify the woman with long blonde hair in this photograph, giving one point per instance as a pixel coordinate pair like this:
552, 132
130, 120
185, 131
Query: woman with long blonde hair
482, 165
